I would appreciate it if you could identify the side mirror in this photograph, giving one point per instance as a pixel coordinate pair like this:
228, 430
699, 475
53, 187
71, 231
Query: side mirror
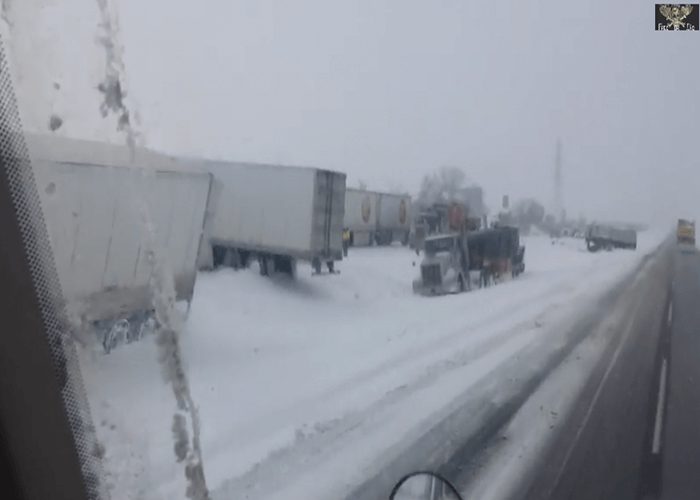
424, 486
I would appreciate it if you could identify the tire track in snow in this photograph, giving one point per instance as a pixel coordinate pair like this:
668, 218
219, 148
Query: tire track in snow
312, 448
422, 357
314, 444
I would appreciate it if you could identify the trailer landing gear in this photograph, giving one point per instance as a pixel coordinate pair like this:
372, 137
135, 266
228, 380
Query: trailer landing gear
317, 267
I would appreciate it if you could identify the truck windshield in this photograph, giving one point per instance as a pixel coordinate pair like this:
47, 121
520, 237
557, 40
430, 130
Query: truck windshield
435, 245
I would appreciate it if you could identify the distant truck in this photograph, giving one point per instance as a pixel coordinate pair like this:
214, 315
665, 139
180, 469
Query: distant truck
440, 218
685, 233
361, 216
607, 237
393, 218
424, 224
109, 216
273, 214
376, 218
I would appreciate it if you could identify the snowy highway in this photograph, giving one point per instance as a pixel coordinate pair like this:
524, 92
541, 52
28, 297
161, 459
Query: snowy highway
633, 432
331, 386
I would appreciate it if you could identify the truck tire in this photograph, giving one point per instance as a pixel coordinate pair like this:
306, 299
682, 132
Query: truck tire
486, 279
285, 264
228, 258
244, 258
218, 254
235, 259
316, 266
271, 265
262, 264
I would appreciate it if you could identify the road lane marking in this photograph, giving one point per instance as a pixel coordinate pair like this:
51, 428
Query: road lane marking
670, 313
660, 403
594, 401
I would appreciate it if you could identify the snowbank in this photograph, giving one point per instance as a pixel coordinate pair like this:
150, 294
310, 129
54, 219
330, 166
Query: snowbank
304, 385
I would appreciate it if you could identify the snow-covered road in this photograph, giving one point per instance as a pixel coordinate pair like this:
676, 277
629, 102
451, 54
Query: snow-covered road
305, 388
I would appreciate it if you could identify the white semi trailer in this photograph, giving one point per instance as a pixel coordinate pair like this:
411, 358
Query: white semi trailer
110, 214
607, 237
393, 218
376, 218
273, 214
361, 216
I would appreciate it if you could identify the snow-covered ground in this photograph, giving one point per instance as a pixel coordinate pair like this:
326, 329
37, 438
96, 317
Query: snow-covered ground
305, 388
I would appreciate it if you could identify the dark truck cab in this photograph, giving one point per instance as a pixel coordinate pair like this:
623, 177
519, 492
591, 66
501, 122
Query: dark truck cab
496, 254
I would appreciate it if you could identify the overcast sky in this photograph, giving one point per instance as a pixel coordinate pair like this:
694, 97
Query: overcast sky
387, 90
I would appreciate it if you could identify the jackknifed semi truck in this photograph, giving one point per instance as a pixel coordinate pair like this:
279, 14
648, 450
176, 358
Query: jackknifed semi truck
608, 237
274, 215
113, 213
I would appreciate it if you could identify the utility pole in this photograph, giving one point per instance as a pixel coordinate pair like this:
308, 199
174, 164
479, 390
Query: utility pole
558, 200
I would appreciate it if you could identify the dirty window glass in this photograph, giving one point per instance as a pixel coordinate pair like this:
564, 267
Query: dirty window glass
243, 201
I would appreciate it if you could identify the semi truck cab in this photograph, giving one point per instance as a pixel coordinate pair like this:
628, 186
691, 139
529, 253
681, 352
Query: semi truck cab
445, 266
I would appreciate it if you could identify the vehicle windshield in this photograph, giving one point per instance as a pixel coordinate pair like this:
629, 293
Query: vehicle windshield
238, 198
434, 245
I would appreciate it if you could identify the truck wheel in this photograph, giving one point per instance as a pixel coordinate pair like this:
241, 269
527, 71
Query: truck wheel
218, 255
244, 257
316, 265
262, 264
284, 264
271, 265
234, 257
228, 258
331, 266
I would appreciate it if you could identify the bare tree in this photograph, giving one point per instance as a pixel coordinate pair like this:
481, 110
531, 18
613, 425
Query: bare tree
527, 213
441, 186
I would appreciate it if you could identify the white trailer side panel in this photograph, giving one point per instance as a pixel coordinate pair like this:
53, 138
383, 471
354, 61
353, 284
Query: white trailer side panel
394, 212
103, 221
613, 234
360, 210
262, 206
361, 214
294, 211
